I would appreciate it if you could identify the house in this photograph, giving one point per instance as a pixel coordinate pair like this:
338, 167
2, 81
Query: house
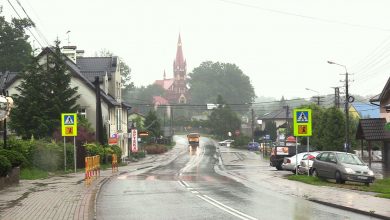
362, 110
84, 70
383, 101
282, 118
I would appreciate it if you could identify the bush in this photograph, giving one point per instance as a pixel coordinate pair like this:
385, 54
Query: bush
241, 142
47, 156
16, 158
5, 165
155, 149
117, 150
139, 154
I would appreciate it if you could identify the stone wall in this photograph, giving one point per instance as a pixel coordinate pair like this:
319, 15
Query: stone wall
11, 179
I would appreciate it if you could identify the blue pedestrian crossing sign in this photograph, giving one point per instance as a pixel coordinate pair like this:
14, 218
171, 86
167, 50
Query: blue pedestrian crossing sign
302, 122
69, 124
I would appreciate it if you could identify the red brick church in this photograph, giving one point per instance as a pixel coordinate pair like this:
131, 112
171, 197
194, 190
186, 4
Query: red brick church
176, 91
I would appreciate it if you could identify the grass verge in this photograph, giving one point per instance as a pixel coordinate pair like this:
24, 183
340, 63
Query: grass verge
382, 187
33, 174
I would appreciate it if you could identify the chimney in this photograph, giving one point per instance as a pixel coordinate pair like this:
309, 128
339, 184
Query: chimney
70, 52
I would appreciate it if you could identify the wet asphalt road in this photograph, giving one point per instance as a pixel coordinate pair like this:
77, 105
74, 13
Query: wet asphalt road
189, 188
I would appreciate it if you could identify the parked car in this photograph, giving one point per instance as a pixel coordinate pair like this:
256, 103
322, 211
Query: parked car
225, 142
342, 167
307, 163
253, 146
289, 163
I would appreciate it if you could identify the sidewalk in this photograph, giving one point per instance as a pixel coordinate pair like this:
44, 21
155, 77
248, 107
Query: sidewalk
259, 172
66, 197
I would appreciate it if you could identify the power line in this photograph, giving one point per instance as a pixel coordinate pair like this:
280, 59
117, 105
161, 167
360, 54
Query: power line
27, 28
305, 16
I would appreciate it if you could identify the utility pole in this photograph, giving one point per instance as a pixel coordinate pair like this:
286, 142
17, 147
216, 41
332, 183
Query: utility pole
253, 124
346, 105
336, 97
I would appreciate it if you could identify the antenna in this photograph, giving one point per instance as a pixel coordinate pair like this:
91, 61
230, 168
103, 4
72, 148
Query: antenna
67, 33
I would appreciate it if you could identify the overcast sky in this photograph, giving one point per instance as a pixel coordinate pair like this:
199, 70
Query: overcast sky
282, 45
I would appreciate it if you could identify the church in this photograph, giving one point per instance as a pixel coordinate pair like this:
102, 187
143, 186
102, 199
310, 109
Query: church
176, 91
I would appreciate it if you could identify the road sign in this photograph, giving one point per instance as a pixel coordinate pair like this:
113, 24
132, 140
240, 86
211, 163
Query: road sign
69, 124
302, 122
134, 140
143, 133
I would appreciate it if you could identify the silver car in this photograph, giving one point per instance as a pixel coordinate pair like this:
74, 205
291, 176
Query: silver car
342, 167
307, 163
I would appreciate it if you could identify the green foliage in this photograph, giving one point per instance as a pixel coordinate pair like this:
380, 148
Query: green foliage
138, 155
153, 124
241, 142
117, 150
15, 50
47, 156
94, 149
44, 94
33, 174
16, 158
212, 79
270, 129
156, 149
5, 165
223, 120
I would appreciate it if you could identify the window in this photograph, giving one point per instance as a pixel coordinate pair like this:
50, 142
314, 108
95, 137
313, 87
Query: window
82, 112
118, 117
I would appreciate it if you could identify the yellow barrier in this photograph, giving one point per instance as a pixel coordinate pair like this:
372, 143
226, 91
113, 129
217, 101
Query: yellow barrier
114, 163
92, 168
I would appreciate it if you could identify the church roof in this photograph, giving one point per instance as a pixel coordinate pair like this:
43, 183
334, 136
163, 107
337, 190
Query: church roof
180, 62
165, 83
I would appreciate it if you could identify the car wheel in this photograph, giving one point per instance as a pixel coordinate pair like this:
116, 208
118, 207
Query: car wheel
314, 173
338, 178
279, 167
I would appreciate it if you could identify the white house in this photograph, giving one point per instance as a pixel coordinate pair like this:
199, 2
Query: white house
84, 70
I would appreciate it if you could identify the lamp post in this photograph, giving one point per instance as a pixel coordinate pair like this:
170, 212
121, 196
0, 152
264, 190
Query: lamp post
317, 97
347, 97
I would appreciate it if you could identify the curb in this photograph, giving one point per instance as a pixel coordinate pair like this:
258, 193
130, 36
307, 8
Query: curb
359, 211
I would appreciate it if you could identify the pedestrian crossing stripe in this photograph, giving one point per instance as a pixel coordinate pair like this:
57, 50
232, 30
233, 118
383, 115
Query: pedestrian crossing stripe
302, 117
69, 120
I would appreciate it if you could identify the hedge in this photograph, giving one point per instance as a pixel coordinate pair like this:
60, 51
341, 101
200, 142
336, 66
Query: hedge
5, 165
16, 158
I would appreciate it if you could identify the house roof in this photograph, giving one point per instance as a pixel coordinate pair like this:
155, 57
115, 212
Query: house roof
366, 110
385, 92
372, 129
278, 114
165, 83
160, 100
7, 80
97, 66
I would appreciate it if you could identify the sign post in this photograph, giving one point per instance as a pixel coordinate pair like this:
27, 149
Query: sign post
69, 128
134, 140
302, 127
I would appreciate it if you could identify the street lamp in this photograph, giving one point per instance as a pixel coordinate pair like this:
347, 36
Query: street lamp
347, 98
317, 97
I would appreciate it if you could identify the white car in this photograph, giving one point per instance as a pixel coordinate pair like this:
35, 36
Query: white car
307, 163
289, 162
225, 142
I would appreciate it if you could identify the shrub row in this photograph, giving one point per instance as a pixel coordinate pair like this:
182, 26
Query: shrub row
104, 151
9, 159
156, 149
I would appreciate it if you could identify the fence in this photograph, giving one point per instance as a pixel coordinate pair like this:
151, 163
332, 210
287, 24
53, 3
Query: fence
92, 168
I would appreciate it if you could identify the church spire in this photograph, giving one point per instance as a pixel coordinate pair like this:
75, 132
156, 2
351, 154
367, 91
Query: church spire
179, 63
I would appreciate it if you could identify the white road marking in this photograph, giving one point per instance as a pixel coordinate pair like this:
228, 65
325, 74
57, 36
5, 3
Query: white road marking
226, 208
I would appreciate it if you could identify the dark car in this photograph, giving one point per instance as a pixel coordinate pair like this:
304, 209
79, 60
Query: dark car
342, 167
253, 146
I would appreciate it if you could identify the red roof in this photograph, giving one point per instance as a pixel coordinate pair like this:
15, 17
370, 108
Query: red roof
165, 83
158, 100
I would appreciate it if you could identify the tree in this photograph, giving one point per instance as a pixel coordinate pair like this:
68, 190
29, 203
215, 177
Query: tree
331, 131
223, 120
15, 51
270, 129
212, 79
44, 94
142, 97
153, 124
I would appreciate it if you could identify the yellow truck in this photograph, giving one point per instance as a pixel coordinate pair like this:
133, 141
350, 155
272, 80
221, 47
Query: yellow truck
193, 139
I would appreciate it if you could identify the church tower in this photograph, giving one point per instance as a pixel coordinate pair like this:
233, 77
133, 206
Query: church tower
180, 75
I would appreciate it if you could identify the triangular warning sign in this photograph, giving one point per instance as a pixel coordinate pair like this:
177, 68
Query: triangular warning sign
302, 117
68, 120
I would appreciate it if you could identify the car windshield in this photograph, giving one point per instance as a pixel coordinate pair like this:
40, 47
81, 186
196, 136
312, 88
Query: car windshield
349, 159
